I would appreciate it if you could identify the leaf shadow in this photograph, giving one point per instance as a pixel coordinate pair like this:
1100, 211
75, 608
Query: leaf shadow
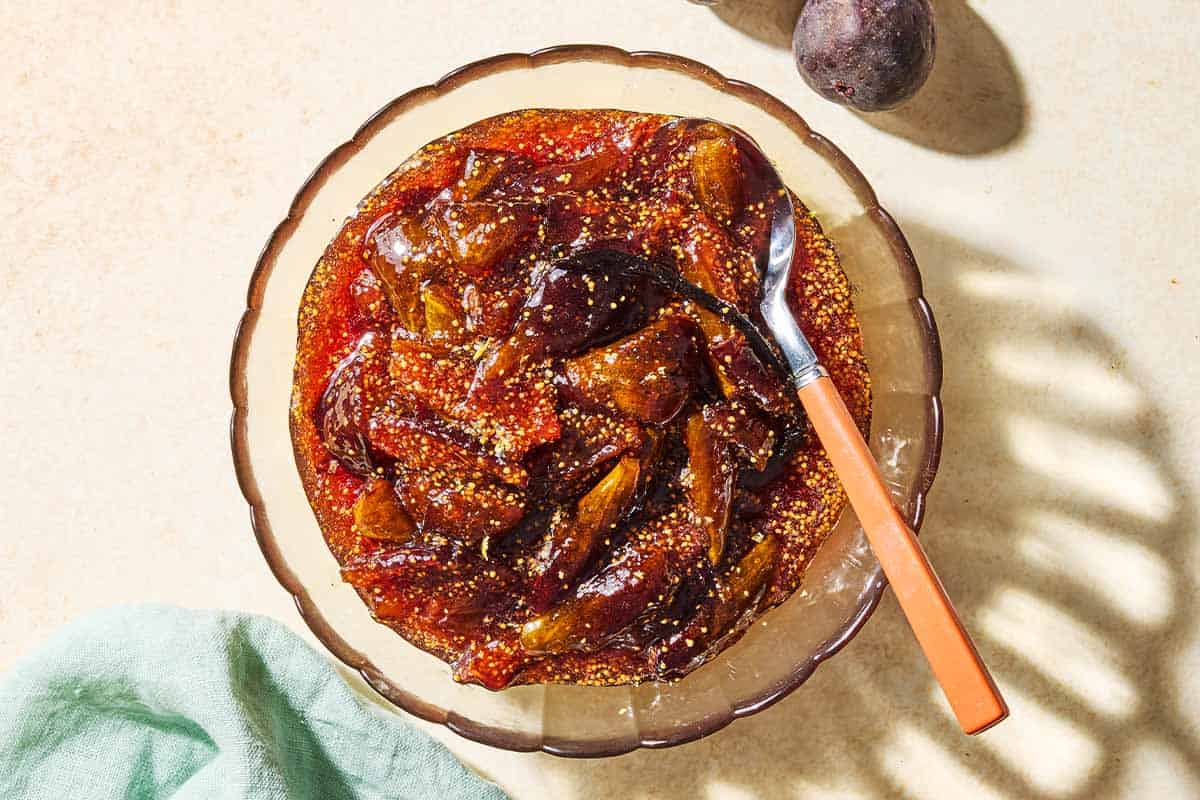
1088, 670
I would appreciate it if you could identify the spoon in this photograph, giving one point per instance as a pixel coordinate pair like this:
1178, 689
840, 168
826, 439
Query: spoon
964, 678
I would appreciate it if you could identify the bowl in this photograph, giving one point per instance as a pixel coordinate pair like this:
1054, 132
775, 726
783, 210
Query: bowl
843, 583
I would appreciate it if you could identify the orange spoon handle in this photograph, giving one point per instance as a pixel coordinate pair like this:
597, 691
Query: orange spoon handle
956, 664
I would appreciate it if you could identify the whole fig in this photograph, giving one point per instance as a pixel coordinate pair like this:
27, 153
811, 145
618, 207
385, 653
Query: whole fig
870, 55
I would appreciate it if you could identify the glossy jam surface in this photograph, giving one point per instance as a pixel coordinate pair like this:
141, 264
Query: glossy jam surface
540, 472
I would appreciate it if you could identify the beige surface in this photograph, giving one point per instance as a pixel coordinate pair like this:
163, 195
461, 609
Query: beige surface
1048, 185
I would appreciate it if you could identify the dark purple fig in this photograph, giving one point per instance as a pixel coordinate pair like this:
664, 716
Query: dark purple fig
870, 55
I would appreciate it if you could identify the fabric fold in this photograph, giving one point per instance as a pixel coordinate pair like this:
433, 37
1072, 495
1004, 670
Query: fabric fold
153, 701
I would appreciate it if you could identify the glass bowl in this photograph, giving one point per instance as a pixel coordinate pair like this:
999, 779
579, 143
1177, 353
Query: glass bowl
844, 582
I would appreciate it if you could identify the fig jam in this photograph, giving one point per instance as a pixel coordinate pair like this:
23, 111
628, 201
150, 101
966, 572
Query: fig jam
543, 474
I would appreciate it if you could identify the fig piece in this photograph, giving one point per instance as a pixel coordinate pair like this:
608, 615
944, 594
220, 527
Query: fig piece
429, 374
490, 310
379, 515
479, 234
356, 387
707, 257
708, 261
648, 375
710, 482
484, 170
436, 582
722, 614
579, 175
427, 443
573, 540
370, 300
414, 565
602, 607
748, 378
567, 310
492, 664
716, 181
642, 578
743, 585
739, 365
570, 309
445, 319
460, 505
749, 436
514, 418
401, 252
590, 439
511, 419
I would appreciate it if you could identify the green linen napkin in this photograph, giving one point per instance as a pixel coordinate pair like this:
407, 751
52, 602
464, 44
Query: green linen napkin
155, 702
